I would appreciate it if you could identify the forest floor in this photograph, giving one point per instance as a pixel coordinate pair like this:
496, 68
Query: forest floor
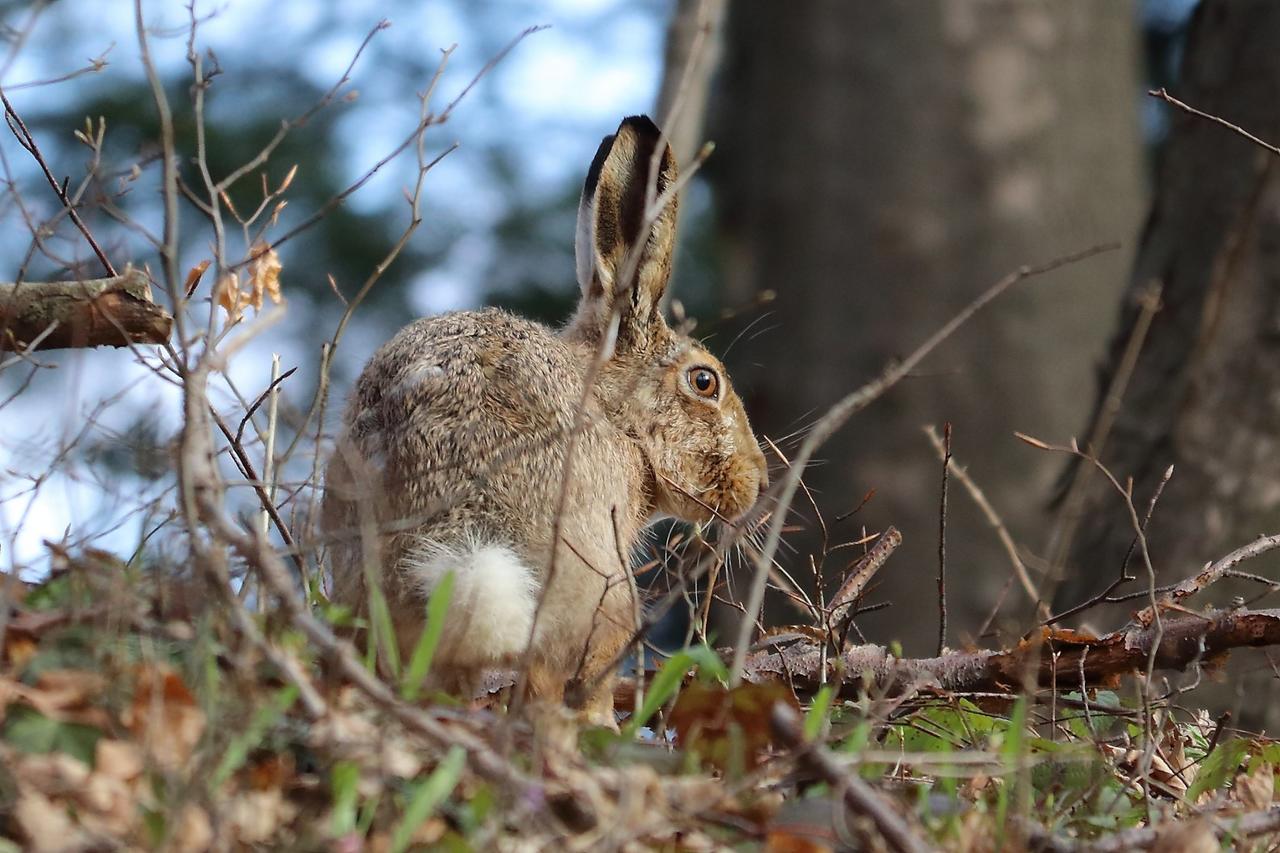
138, 716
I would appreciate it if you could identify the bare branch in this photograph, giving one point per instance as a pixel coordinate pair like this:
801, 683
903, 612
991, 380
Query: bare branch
1214, 572
1185, 639
1172, 101
27, 141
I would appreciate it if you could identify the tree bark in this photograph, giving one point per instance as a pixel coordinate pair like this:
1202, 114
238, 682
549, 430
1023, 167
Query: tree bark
115, 312
1204, 393
879, 164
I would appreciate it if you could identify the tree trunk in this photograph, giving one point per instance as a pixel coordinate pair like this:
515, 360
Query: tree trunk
878, 165
1204, 394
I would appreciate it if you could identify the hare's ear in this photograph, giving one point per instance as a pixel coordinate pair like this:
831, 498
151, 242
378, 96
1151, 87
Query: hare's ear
621, 252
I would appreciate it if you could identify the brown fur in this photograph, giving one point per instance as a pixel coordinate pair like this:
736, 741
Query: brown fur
458, 427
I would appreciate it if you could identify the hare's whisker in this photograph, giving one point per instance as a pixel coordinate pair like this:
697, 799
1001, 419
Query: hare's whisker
745, 329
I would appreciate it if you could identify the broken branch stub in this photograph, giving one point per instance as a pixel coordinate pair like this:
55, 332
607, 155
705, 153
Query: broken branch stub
116, 312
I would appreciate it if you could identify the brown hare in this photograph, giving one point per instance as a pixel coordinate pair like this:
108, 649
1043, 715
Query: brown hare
452, 454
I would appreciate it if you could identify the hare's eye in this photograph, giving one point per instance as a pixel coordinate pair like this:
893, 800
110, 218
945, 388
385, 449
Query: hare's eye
704, 382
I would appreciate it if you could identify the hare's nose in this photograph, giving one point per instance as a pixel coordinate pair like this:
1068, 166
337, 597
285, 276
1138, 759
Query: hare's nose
764, 481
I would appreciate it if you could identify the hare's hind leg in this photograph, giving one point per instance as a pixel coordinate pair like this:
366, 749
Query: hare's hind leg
590, 685
546, 682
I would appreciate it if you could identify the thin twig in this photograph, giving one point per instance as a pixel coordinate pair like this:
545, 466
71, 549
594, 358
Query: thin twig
264, 499
285, 127
1214, 571
1172, 101
841, 608
1062, 534
961, 476
169, 188
27, 141
428, 120
1106, 597
942, 539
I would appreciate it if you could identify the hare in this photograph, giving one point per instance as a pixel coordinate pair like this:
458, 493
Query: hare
452, 457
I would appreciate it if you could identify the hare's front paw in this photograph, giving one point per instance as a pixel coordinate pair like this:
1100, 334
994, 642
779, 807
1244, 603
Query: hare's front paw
601, 715
594, 702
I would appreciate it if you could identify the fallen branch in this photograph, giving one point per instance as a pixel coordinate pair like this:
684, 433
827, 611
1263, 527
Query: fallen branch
1053, 656
116, 312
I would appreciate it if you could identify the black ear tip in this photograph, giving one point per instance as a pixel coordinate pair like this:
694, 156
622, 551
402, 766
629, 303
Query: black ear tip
641, 125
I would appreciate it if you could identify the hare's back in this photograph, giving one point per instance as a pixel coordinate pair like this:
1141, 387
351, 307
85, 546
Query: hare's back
459, 390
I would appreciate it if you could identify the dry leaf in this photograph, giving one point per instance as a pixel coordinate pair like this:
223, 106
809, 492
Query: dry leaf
400, 758
255, 816
272, 771
194, 832
728, 725
18, 650
1253, 789
61, 695
1192, 836
107, 806
118, 759
785, 842
264, 275
61, 689
164, 717
193, 277
263, 280
228, 295
52, 771
46, 824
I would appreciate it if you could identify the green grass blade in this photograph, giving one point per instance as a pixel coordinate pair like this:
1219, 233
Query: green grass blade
425, 649
817, 716
663, 686
344, 781
709, 663
1011, 752
427, 796
1218, 767
384, 632
241, 745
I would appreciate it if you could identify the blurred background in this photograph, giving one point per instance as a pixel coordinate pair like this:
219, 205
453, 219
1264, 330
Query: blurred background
877, 165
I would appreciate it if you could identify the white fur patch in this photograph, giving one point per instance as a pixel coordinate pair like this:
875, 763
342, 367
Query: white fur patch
417, 374
494, 597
